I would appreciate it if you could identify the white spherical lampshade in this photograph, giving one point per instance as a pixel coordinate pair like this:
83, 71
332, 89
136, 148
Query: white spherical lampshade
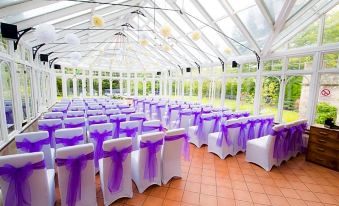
98, 21
165, 31
45, 33
196, 35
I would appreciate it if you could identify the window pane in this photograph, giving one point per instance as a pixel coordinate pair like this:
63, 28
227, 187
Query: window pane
195, 90
328, 99
330, 60
87, 87
300, 63
296, 98
331, 29
273, 65
206, 86
69, 87
132, 86
79, 86
6, 81
247, 94
115, 86
105, 87
270, 95
217, 93
308, 37
231, 89
23, 86
95, 87
124, 87
249, 67
148, 88
59, 86
157, 87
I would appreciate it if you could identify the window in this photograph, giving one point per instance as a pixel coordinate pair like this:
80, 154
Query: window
6, 81
247, 94
270, 95
140, 88
296, 98
206, 87
95, 87
69, 87
95, 73
331, 29
187, 87
308, 37
273, 65
132, 75
328, 100
124, 75
68, 70
195, 90
87, 87
115, 74
115, 86
148, 88
217, 93
105, 87
78, 71
300, 63
157, 87
249, 67
132, 87
231, 89
23, 92
4, 45
79, 86
105, 74
330, 60
59, 87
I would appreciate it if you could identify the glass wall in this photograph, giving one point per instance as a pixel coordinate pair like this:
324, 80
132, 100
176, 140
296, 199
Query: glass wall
95, 87
231, 89
105, 87
70, 87
6, 81
247, 94
270, 91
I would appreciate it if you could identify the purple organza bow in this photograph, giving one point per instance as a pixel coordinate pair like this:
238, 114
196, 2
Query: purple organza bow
224, 133
269, 125
242, 136
59, 110
151, 128
99, 138
151, 165
158, 110
130, 132
50, 129
99, 121
217, 118
227, 116
251, 132
298, 139
181, 113
69, 141
74, 165
28, 146
278, 152
186, 148
117, 126
150, 106
196, 115
19, 191
137, 119
262, 123
289, 140
169, 112
116, 172
199, 130
74, 125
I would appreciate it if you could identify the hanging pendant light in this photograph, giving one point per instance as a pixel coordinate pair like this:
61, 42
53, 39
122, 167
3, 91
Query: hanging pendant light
98, 21
196, 35
166, 48
45, 33
165, 31
227, 51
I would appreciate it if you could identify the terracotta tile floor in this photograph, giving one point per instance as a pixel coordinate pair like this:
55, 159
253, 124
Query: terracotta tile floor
208, 180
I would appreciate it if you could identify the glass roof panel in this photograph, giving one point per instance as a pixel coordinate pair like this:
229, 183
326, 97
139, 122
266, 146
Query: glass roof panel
256, 24
216, 40
238, 5
274, 7
299, 4
193, 49
214, 8
179, 21
192, 10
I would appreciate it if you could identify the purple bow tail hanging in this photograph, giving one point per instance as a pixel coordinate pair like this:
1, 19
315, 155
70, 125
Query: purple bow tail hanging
261, 127
50, 130
18, 191
99, 138
116, 172
29, 146
151, 165
242, 136
251, 132
223, 135
269, 126
278, 144
69, 141
75, 125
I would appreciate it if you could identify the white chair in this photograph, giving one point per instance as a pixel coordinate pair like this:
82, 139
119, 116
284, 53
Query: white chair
123, 106
174, 141
75, 164
69, 137
151, 126
94, 107
140, 117
61, 108
130, 129
152, 108
98, 133
128, 111
108, 106
115, 177
160, 110
94, 113
260, 151
183, 120
110, 112
77, 108
71, 114
98, 119
172, 114
116, 120
198, 134
50, 125
75, 122
54, 115
36, 142
146, 175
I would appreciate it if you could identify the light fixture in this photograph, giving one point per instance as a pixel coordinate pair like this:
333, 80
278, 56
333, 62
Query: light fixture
45, 33
196, 35
165, 31
98, 21
227, 51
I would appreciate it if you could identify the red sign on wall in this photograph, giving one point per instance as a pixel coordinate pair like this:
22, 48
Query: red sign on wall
325, 92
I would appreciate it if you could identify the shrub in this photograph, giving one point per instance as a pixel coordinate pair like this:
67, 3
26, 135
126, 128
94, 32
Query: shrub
324, 111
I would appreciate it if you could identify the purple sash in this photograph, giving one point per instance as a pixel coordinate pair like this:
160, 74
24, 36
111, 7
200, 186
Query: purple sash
251, 132
74, 166
99, 138
242, 136
130, 132
123, 106
169, 112
261, 127
116, 172
224, 133
196, 115
151, 128
117, 126
59, 110
217, 118
127, 112
269, 126
50, 130
151, 161
227, 116
158, 110
150, 106
99, 121
186, 148
198, 132
75, 125
298, 139
69, 141
18, 191
246, 114
289, 140
28, 146
181, 113
142, 119
278, 152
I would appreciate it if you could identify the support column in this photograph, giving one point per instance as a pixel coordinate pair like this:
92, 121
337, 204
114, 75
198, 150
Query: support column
129, 84
91, 93
75, 87
64, 86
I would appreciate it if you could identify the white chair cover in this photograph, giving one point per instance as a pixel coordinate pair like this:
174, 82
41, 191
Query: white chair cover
54, 115
132, 126
151, 126
69, 137
207, 127
98, 119
140, 117
44, 124
94, 113
113, 111
71, 114
40, 182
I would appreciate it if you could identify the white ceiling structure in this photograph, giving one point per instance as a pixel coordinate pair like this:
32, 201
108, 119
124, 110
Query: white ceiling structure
228, 28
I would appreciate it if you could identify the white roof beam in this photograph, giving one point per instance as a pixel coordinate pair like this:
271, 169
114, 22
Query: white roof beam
263, 9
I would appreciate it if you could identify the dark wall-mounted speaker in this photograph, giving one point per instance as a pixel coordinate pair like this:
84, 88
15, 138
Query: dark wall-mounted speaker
158, 73
57, 66
188, 69
44, 57
169, 73
234, 64
9, 31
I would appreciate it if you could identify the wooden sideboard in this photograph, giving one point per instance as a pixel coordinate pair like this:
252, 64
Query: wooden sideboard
323, 147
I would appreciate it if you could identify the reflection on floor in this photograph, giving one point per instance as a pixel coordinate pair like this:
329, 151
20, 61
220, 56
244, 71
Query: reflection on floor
208, 180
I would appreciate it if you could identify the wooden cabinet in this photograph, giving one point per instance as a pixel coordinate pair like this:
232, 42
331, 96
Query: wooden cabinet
323, 147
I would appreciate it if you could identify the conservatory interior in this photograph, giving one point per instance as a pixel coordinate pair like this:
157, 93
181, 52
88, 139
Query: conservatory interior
169, 102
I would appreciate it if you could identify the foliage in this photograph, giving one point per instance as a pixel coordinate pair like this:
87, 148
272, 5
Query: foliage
324, 111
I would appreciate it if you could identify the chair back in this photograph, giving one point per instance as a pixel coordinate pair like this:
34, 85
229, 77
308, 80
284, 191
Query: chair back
54, 115
71, 114
69, 137
112, 111
94, 113
98, 119
50, 125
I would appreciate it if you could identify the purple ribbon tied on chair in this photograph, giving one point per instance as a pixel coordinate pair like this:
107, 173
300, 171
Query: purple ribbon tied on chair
147, 128
99, 137
186, 148
269, 125
242, 136
74, 166
150, 106
196, 115
289, 140
69, 141
116, 172
97, 121
262, 123
129, 131
182, 113
18, 192
127, 112
227, 116
170, 109
117, 123
74, 125
300, 129
28, 146
50, 129
278, 152
251, 132
198, 132
137, 119
224, 133
217, 118
151, 166
158, 111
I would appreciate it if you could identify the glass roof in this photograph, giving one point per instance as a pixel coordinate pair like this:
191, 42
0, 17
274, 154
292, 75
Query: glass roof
223, 24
